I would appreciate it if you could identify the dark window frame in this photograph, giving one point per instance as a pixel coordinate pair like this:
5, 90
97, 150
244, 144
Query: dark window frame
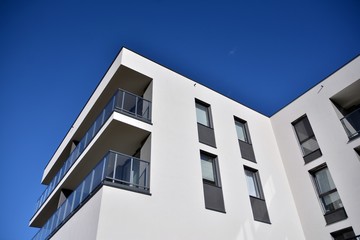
216, 171
208, 112
314, 154
205, 126
258, 203
257, 182
246, 130
246, 147
320, 195
213, 195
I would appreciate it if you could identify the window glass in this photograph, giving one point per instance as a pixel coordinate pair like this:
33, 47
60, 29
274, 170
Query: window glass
324, 181
332, 201
241, 131
202, 114
252, 183
309, 146
305, 136
303, 129
326, 188
208, 168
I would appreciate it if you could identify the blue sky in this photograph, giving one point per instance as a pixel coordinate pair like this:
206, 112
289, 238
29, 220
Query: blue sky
53, 54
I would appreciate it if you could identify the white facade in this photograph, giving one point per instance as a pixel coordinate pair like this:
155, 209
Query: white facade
343, 87
171, 198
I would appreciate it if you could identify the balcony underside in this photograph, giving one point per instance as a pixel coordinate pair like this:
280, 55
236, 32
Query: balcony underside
124, 78
347, 106
117, 136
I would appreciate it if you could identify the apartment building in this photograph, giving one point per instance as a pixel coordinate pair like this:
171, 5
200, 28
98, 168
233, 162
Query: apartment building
155, 155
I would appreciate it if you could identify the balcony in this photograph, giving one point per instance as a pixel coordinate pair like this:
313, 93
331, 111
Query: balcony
114, 169
351, 124
123, 102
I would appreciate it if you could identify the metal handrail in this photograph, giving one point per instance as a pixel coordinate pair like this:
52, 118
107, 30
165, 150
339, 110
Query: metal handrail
113, 168
122, 101
351, 123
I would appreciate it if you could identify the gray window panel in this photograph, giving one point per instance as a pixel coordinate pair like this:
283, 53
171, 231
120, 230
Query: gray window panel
214, 199
312, 156
247, 151
335, 216
259, 210
206, 135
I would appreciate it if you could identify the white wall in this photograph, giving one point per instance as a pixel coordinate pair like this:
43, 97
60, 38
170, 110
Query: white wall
337, 152
176, 208
84, 224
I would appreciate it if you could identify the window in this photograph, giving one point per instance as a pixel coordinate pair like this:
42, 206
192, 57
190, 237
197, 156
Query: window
344, 234
334, 210
213, 195
325, 186
246, 148
202, 114
208, 167
256, 195
308, 143
204, 123
241, 131
253, 183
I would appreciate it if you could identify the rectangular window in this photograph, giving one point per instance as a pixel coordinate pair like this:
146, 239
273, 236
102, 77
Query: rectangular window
253, 183
307, 140
209, 169
213, 194
246, 148
204, 123
241, 131
257, 199
202, 114
329, 197
325, 186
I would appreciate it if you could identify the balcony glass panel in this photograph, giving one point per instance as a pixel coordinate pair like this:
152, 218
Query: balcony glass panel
122, 101
351, 123
114, 167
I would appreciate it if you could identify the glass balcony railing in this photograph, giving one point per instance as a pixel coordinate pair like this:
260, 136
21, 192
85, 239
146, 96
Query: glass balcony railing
122, 101
128, 172
351, 123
